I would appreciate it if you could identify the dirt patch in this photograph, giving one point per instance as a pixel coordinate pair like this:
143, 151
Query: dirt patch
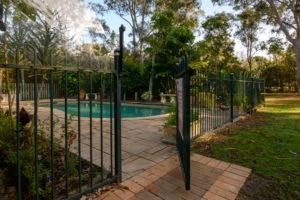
221, 135
255, 184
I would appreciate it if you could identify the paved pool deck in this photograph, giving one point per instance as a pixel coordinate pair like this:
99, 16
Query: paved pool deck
210, 180
151, 170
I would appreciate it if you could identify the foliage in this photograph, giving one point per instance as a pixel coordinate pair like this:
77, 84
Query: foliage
8, 155
134, 76
247, 32
206, 99
135, 13
171, 119
147, 96
168, 42
72, 81
216, 51
281, 72
283, 16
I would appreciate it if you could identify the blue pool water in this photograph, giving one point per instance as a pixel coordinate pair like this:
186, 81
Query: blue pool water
127, 110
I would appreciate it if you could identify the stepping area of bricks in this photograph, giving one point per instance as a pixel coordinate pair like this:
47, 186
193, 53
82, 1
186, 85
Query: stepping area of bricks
211, 179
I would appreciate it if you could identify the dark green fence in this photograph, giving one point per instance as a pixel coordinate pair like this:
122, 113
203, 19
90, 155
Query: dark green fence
216, 99
61, 148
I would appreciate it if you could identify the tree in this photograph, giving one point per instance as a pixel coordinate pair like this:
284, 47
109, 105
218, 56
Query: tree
138, 12
217, 43
247, 32
284, 15
170, 39
275, 48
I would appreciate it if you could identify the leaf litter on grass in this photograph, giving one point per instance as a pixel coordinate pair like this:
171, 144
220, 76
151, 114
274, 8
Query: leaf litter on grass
264, 142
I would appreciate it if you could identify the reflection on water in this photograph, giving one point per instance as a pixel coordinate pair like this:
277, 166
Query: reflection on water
107, 110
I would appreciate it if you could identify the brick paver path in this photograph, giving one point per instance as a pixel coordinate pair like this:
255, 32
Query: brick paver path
210, 180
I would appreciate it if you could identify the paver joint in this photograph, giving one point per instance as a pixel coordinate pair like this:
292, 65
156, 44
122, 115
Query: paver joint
211, 180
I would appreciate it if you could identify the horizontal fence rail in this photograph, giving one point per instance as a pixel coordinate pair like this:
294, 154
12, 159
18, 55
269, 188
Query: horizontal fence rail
217, 99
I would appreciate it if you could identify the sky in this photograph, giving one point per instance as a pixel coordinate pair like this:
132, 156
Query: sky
114, 22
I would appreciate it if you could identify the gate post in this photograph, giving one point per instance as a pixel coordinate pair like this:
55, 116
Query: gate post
118, 58
183, 119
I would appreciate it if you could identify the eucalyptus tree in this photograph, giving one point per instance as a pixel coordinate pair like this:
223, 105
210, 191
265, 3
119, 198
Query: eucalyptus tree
136, 14
283, 15
247, 32
217, 42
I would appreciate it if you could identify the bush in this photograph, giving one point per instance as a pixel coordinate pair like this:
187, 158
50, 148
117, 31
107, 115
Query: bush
147, 96
206, 99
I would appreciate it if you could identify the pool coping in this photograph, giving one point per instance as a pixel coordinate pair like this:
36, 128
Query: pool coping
55, 101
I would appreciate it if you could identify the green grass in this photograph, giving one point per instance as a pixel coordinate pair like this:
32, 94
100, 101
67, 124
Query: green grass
265, 143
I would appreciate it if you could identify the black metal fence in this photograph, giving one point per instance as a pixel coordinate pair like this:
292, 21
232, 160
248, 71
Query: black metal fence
216, 99
61, 149
183, 119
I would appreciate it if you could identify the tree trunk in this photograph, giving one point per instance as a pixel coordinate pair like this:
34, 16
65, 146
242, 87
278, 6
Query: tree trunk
151, 74
142, 52
134, 43
5, 50
298, 61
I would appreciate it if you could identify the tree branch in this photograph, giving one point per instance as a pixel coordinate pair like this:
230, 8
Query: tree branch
290, 25
281, 24
291, 6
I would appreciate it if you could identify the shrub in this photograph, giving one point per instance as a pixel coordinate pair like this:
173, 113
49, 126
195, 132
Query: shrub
206, 99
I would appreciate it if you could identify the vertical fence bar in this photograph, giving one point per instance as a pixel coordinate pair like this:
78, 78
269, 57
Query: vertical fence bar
36, 171
207, 91
19, 172
231, 97
101, 124
66, 136
216, 103
79, 131
118, 69
52, 137
117, 120
252, 93
187, 127
91, 126
111, 123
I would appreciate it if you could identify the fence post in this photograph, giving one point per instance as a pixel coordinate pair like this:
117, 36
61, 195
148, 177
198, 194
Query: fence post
117, 101
252, 94
231, 97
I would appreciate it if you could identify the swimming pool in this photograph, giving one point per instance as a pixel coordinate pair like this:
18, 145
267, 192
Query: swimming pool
127, 110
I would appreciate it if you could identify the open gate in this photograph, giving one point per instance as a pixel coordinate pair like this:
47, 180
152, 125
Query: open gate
183, 118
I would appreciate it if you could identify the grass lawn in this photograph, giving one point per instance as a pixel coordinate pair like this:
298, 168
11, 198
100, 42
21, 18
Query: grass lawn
268, 142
